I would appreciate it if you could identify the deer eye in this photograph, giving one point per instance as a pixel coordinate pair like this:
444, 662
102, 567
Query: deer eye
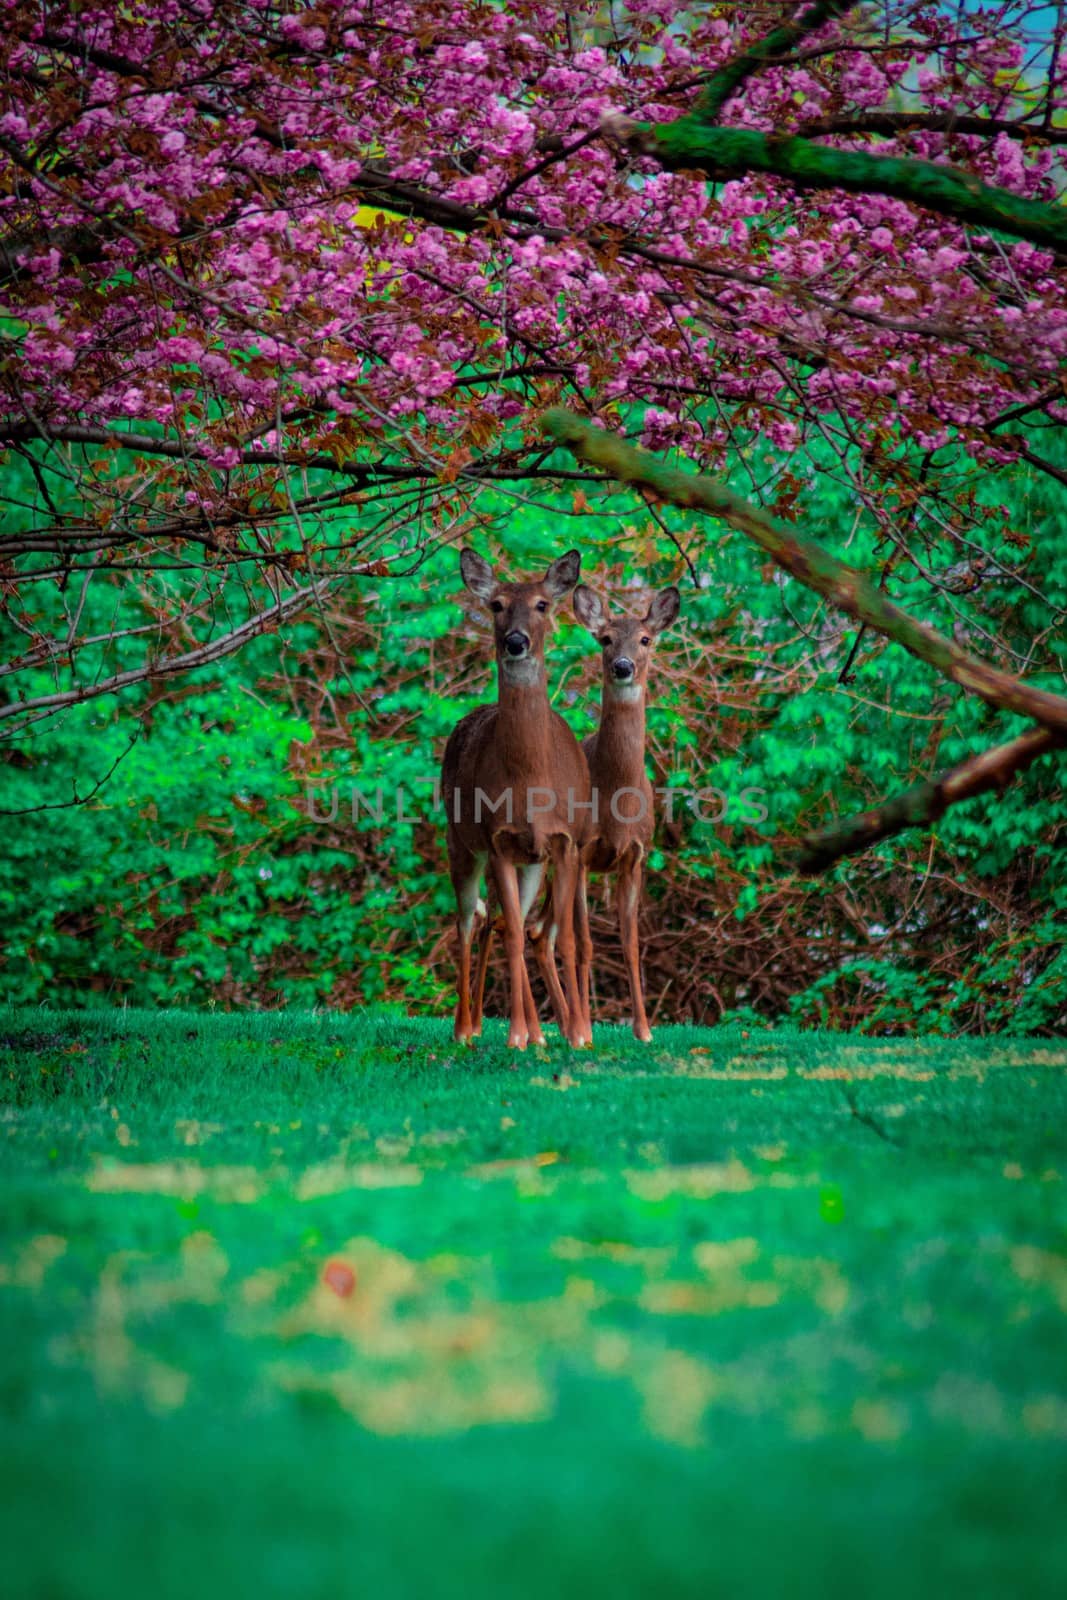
497, 606
645, 639
605, 638
542, 605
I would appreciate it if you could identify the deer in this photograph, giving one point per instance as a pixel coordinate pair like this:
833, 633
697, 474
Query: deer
516, 792
623, 821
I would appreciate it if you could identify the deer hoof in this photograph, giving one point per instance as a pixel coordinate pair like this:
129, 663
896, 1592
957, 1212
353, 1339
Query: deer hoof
517, 1040
644, 1033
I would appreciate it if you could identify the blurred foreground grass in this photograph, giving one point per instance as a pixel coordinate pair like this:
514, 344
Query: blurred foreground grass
296, 1304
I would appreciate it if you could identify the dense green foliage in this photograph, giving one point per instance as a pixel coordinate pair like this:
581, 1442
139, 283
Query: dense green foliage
195, 874
323, 1305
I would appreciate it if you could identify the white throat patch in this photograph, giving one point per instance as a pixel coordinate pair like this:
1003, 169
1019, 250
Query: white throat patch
523, 671
626, 693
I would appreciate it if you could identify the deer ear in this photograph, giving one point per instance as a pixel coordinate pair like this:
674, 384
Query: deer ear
663, 610
589, 609
562, 575
477, 574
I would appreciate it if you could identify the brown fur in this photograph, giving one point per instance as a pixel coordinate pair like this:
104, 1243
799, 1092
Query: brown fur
622, 833
519, 745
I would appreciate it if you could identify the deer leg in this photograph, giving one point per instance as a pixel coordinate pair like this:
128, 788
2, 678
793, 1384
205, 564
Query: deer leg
485, 945
529, 883
564, 886
629, 905
543, 938
584, 941
507, 880
466, 877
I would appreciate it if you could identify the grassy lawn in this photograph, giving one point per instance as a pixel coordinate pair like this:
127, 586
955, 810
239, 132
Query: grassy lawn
312, 1305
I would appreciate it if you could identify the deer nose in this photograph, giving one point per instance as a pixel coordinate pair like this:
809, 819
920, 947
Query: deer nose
622, 667
516, 643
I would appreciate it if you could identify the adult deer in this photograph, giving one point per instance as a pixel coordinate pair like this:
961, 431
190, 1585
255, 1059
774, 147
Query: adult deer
623, 821
516, 790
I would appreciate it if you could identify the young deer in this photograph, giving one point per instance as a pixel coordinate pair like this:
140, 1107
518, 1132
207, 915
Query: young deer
516, 789
623, 820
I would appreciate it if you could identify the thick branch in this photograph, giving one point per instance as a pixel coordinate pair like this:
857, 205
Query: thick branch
692, 144
844, 586
364, 475
922, 804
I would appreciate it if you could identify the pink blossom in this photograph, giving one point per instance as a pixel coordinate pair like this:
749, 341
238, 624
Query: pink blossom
304, 224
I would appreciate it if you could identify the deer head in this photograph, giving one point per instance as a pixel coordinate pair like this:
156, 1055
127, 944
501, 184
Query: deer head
627, 641
521, 612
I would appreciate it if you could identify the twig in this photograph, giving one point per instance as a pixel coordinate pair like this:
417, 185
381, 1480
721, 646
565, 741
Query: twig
79, 799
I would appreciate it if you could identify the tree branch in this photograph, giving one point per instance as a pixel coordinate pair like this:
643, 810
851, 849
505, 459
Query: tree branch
724, 83
692, 144
925, 802
887, 124
76, 799
845, 587
214, 650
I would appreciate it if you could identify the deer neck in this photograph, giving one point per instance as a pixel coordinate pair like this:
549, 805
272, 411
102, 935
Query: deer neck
524, 720
620, 740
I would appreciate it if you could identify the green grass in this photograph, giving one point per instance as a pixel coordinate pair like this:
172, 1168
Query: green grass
769, 1314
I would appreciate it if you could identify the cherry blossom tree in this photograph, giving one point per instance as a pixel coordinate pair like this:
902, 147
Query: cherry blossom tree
285, 288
